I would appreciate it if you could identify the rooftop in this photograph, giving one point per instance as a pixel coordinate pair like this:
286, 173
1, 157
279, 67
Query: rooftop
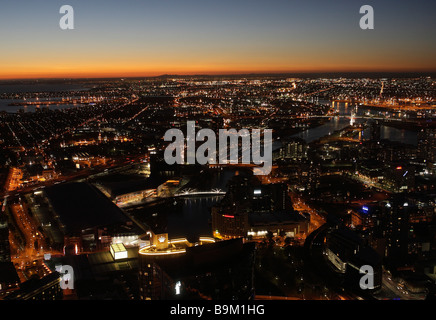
82, 206
120, 187
281, 217
175, 246
8, 274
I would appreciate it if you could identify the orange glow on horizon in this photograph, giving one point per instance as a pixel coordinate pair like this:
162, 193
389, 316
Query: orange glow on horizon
134, 64
113, 72
114, 63
151, 39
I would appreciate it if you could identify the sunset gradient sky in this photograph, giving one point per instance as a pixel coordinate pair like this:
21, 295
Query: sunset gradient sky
153, 37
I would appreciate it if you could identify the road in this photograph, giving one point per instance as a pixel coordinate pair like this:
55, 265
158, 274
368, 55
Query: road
78, 175
316, 220
317, 263
393, 290
31, 234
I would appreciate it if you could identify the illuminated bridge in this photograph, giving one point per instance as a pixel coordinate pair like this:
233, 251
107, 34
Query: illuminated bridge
349, 117
195, 192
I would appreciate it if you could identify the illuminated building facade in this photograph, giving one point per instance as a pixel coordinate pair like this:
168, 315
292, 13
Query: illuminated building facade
178, 269
254, 210
46, 288
363, 218
427, 145
88, 220
399, 177
347, 253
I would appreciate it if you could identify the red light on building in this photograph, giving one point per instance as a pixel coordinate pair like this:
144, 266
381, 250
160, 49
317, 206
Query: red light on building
228, 216
399, 168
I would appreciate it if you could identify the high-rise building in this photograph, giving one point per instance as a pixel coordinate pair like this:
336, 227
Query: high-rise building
295, 149
407, 229
427, 145
348, 253
399, 177
395, 216
374, 130
251, 209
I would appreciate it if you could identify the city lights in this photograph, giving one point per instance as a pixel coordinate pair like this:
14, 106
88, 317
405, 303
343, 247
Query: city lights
217, 156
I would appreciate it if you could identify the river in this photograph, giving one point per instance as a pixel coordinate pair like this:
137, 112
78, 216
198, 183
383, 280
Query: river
343, 120
37, 87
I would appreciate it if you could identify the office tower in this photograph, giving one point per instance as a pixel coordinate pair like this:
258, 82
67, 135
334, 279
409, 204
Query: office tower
427, 145
375, 130
395, 215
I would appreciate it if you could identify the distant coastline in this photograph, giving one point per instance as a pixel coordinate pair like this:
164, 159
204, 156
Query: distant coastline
357, 74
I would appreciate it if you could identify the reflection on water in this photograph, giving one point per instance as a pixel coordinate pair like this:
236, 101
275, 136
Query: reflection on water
4, 106
329, 127
345, 111
36, 87
194, 218
42, 87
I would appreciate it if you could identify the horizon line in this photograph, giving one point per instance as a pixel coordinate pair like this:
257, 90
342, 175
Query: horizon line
240, 74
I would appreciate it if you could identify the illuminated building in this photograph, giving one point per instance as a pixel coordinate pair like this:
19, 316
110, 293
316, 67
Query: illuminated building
168, 188
84, 160
427, 145
395, 152
9, 280
101, 275
130, 191
155, 283
405, 227
135, 196
375, 130
253, 210
363, 218
118, 251
399, 177
257, 224
371, 170
87, 218
46, 288
228, 224
396, 227
392, 176
178, 269
295, 149
347, 253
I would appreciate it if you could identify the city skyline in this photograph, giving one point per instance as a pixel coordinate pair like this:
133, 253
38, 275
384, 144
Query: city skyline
214, 151
85, 177
114, 39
